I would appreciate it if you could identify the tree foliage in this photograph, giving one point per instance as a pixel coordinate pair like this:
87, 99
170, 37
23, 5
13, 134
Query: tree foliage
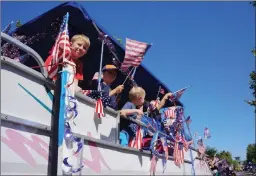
225, 155
252, 84
211, 151
251, 153
236, 165
253, 74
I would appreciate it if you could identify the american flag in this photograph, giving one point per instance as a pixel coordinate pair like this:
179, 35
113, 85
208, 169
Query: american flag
170, 112
207, 134
61, 48
188, 120
177, 95
99, 108
134, 52
136, 142
178, 153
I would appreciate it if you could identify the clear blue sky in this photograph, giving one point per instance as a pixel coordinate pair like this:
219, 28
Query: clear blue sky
204, 44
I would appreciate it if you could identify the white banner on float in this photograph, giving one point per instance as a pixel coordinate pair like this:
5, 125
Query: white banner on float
27, 98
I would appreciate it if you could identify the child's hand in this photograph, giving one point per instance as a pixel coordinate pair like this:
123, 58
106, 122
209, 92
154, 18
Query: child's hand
140, 112
119, 89
122, 113
168, 95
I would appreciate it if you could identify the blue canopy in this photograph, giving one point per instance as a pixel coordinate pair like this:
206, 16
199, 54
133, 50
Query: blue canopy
81, 23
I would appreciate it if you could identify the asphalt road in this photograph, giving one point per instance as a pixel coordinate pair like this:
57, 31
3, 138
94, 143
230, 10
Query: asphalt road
243, 173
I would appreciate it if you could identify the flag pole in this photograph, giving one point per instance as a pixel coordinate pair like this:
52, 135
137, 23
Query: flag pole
158, 92
98, 30
128, 75
134, 71
191, 135
101, 59
117, 96
7, 28
58, 115
180, 89
53, 153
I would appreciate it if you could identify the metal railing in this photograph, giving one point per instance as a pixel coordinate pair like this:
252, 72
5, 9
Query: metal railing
28, 50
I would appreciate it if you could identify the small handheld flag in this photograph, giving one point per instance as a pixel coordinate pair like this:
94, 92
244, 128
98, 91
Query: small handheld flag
188, 120
177, 95
134, 53
60, 50
207, 134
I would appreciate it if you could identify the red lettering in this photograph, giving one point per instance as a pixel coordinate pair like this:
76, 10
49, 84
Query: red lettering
16, 142
96, 157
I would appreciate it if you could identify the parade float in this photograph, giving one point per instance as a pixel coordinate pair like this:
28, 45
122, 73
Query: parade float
49, 128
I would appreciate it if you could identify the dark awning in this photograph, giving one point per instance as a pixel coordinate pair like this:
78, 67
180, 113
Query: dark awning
81, 23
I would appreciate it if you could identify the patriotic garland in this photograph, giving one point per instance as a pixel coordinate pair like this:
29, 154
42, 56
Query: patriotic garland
11, 51
68, 104
69, 139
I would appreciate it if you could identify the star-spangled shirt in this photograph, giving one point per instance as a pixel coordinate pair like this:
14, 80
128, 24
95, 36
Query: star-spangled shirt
105, 94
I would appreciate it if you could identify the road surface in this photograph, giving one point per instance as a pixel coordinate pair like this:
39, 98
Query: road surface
243, 173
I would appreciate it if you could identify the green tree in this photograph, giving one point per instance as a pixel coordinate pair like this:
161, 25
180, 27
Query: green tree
253, 87
211, 151
236, 165
251, 153
119, 40
225, 155
253, 74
